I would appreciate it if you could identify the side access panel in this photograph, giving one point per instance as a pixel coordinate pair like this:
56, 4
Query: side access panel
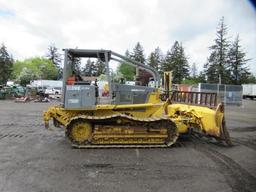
80, 97
131, 94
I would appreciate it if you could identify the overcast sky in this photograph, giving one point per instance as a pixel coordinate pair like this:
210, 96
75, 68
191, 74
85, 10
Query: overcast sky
27, 27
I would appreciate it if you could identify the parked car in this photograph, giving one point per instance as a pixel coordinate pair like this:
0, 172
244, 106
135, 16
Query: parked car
53, 91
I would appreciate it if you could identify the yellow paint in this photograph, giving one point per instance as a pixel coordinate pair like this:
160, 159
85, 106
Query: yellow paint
81, 132
208, 120
184, 116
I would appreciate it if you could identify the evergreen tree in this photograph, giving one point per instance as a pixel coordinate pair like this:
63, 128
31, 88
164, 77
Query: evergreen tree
155, 58
193, 70
6, 65
201, 77
76, 63
239, 73
176, 62
138, 53
90, 68
100, 67
142, 76
216, 66
54, 56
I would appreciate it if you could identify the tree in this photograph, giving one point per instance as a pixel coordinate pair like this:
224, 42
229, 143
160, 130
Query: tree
190, 81
193, 70
216, 66
251, 79
76, 63
55, 57
176, 61
142, 76
155, 58
26, 75
239, 73
127, 70
138, 53
201, 77
93, 68
6, 65
100, 67
34, 68
90, 68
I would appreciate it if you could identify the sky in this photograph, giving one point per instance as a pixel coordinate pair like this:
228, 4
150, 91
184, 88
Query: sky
28, 27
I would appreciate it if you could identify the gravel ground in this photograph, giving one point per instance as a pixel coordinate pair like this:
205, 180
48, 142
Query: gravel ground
37, 160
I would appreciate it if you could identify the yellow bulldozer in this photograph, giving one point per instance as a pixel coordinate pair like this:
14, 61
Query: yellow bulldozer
131, 115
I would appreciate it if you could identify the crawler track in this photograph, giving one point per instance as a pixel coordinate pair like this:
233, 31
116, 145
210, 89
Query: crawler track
123, 131
117, 146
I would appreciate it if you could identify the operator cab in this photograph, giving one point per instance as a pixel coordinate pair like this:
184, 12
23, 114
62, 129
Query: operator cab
80, 93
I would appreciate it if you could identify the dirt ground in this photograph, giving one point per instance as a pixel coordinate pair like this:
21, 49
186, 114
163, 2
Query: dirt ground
37, 160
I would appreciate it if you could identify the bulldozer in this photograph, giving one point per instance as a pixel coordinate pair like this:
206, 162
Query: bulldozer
131, 115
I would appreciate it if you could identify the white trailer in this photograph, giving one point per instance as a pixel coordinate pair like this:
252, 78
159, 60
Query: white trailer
46, 83
249, 91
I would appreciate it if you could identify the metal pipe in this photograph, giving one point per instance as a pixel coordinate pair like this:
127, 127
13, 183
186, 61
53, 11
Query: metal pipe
65, 76
108, 75
153, 71
132, 64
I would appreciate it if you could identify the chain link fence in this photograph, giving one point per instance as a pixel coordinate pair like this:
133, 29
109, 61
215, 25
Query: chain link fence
228, 94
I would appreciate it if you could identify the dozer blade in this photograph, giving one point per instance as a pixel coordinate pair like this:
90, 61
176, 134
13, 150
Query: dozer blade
201, 119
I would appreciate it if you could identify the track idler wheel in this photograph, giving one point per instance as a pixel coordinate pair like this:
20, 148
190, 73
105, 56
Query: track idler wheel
79, 132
